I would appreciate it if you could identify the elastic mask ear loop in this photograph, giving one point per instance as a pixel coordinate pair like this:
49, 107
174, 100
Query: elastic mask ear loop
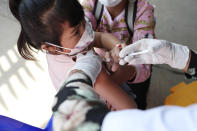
59, 51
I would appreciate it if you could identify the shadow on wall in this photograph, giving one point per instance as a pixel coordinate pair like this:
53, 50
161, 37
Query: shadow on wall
14, 71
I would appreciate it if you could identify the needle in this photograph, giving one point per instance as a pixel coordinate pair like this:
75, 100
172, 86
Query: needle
139, 53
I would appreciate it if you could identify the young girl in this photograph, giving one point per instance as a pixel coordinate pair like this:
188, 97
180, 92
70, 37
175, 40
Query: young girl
113, 19
59, 26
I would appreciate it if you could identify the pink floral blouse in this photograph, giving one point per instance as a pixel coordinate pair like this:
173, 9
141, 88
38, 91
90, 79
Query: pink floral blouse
143, 26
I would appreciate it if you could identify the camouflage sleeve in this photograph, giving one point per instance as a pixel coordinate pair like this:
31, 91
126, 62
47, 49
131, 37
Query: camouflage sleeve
77, 107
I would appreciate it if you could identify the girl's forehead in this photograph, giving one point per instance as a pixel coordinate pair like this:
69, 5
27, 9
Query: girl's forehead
68, 38
68, 30
66, 26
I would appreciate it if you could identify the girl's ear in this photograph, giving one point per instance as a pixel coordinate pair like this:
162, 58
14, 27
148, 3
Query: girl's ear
44, 47
49, 49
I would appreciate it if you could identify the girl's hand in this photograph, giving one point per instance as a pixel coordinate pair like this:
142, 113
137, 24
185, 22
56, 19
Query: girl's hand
112, 57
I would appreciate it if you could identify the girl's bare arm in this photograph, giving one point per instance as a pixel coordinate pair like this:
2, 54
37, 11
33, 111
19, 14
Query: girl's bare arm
112, 93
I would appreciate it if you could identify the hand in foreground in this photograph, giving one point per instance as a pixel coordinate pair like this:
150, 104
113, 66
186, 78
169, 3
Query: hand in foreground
90, 64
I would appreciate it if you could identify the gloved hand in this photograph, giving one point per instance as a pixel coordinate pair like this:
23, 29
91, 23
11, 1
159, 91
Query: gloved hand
157, 52
90, 64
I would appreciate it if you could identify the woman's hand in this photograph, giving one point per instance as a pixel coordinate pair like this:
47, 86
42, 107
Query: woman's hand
152, 51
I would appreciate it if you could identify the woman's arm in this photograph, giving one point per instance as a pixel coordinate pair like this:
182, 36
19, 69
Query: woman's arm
105, 40
144, 27
166, 118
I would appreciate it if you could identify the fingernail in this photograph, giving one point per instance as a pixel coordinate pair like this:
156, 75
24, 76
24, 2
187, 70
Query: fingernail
107, 59
122, 62
119, 46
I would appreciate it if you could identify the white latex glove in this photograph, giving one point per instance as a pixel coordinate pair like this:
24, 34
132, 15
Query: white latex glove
90, 64
157, 52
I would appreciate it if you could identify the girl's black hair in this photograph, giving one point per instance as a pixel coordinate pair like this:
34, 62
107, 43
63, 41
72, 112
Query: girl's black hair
42, 20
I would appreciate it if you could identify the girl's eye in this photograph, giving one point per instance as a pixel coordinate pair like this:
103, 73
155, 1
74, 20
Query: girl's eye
77, 32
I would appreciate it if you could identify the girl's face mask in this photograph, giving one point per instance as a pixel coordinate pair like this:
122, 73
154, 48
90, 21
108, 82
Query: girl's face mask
110, 3
85, 40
